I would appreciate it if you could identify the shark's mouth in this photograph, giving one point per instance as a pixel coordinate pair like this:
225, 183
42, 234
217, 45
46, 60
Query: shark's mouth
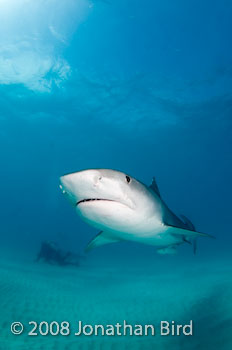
93, 199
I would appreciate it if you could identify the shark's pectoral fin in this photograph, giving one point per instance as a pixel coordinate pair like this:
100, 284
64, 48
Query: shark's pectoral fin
167, 250
186, 234
98, 240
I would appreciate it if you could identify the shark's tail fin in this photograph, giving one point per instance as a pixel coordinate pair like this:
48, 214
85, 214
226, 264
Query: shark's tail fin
195, 246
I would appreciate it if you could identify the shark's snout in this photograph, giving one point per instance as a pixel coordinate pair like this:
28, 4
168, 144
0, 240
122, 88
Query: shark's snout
89, 187
68, 189
81, 185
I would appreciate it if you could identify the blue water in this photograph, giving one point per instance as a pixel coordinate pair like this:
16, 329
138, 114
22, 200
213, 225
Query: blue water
141, 87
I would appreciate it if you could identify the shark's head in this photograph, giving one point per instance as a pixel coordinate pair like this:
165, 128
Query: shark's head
107, 198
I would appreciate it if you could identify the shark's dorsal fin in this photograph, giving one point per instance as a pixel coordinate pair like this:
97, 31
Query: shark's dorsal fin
100, 239
154, 187
188, 223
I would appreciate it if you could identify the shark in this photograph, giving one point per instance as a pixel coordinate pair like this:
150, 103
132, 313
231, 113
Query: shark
124, 209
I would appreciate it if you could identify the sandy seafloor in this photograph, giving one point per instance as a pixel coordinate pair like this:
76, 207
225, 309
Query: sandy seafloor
112, 292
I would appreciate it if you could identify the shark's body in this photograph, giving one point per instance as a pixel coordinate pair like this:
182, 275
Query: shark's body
123, 208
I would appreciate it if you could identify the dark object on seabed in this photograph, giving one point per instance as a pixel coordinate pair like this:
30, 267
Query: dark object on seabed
51, 254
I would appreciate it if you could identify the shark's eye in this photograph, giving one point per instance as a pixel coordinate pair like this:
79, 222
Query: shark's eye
128, 179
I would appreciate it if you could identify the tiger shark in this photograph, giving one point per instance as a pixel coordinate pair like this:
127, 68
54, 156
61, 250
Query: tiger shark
125, 209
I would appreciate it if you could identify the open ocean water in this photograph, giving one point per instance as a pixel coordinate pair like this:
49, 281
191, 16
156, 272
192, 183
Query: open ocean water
143, 87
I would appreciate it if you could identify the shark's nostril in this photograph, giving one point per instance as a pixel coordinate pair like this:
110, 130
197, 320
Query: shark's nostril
96, 180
